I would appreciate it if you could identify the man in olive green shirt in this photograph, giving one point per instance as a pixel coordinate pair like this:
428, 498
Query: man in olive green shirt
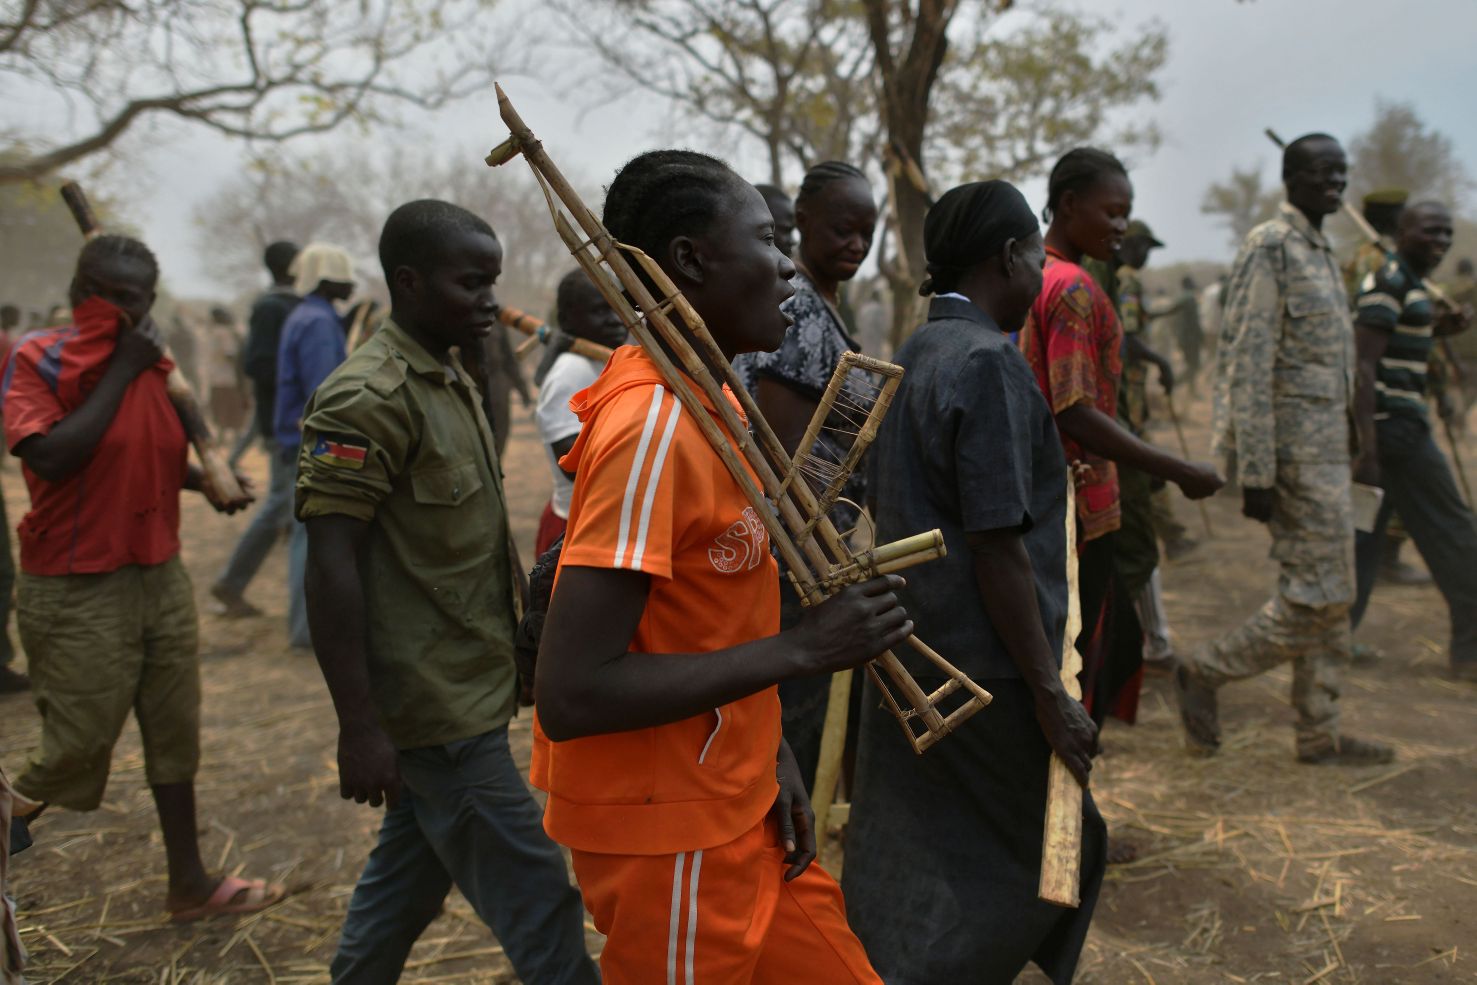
410, 602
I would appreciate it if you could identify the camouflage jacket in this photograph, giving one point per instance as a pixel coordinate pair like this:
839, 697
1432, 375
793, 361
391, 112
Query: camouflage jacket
1369, 258
1285, 386
1133, 401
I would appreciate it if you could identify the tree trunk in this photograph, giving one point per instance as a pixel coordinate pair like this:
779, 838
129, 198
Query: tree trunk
907, 80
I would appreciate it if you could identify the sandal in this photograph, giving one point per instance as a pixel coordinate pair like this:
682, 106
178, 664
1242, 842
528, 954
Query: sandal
232, 895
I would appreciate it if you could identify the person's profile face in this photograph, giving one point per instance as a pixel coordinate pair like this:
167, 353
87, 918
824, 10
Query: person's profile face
1027, 276
455, 296
783, 211
746, 277
1097, 216
1316, 183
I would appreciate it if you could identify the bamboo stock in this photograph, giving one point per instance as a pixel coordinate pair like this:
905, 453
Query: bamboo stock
222, 487
538, 332
1061, 841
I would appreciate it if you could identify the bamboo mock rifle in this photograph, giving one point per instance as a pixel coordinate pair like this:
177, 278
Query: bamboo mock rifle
221, 486
819, 563
1435, 293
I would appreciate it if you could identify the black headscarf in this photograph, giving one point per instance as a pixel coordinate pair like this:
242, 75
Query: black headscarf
969, 224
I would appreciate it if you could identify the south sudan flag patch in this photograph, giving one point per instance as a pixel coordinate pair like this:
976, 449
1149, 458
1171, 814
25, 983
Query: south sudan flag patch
343, 451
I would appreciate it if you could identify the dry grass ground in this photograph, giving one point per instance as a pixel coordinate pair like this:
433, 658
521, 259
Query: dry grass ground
1252, 869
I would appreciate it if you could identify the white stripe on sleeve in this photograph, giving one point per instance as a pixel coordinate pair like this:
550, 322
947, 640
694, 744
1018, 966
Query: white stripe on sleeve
634, 479
639, 551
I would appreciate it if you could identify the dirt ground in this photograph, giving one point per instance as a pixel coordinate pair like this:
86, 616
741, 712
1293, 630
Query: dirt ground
1252, 868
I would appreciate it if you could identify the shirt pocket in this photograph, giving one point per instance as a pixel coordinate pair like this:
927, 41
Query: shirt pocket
445, 485
1316, 330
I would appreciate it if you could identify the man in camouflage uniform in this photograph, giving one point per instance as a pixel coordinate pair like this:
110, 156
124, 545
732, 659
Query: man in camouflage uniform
1284, 402
1146, 513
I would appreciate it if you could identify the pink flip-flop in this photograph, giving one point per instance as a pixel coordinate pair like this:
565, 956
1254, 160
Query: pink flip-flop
233, 895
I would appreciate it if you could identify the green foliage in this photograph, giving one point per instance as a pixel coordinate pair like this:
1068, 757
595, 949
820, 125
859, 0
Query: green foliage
800, 77
1008, 105
1241, 202
1400, 151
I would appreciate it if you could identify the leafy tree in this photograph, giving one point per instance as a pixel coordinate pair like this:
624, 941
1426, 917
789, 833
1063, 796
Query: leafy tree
262, 70
876, 82
792, 75
999, 105
1242, 202
1399, 150
327, 197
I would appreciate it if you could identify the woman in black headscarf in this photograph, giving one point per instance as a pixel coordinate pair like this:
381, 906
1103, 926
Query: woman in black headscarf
943, 852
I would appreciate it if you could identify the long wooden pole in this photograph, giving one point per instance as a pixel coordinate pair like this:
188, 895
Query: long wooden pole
222, 487
1061, 841
538, 333
1179, 430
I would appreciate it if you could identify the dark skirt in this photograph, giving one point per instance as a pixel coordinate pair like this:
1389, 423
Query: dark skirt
943, 851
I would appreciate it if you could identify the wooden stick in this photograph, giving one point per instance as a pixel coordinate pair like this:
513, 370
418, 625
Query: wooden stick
222, 487
1061, 841
804, 537
832, 751
1179, 430
538, 333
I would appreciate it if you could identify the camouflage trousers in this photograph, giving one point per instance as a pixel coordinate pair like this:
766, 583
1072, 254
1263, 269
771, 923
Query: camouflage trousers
1314, 639
1305, 623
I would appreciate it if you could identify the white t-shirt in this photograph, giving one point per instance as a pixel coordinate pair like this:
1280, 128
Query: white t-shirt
569, 375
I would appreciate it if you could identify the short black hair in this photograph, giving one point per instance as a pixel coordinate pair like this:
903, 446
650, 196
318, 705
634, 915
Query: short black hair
823, 174
1295, 154
663, 194
278, 257
571, 286
105, 249
1077, 170
10, 312
771, 191
1464, 265
414, 233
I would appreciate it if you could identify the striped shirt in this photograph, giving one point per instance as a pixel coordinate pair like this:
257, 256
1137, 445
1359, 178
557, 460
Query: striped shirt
1392, 300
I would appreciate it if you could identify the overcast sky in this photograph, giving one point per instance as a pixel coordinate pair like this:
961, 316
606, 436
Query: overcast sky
1234, 68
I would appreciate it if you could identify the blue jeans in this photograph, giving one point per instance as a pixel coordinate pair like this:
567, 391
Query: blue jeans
465, 817
272, 517
1419, 485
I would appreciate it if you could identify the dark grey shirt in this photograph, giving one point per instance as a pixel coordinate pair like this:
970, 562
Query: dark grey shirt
970, 446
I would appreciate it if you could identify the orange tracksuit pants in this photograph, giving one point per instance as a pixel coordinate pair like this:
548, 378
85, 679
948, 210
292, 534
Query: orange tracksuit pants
720, 916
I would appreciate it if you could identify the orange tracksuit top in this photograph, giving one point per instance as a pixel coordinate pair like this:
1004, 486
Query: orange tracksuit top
650, 494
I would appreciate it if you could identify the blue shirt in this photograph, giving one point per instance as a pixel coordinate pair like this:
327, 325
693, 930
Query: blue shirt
312, 346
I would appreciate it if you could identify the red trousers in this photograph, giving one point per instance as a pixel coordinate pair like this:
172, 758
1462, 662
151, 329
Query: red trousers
550, 526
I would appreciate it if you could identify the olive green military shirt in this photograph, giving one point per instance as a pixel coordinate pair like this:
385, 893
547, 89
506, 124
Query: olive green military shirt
398, 439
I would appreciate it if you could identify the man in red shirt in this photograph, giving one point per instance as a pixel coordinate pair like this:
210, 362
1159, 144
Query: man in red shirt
105, 608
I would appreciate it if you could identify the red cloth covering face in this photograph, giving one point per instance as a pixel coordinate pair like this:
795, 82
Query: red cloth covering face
1072, 339
122, 507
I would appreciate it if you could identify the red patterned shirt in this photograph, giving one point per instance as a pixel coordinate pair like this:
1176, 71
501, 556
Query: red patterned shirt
1072, 340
